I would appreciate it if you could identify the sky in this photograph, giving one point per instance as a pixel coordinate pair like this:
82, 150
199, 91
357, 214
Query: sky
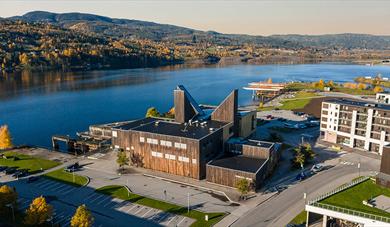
255, 17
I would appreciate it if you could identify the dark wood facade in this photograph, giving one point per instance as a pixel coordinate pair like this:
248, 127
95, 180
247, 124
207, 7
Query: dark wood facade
228, 177
227, 111
147, 155
183, 109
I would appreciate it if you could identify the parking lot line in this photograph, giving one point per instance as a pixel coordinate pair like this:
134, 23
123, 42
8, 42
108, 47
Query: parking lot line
147, 212
172, 218
99, 197
73, 189
44, 184
90, 196
128, 211
61, 187
163, 217
54, 186
104, 200
181, 221
141, 209
64, 189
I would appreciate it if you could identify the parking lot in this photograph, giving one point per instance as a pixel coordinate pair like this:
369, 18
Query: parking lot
107, 211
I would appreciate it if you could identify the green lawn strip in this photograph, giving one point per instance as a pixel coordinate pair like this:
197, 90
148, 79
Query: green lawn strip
122, 193
294, 104
67, 178
352, 91
353, 197
31, 163
300, 218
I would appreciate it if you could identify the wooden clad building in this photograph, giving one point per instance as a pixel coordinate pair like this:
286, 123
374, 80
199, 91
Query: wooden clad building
252, 160
383, 177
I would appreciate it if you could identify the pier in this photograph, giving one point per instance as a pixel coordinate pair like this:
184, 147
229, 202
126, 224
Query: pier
265, 91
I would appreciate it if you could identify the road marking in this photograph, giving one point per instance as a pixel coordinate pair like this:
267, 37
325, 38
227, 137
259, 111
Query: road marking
147, 213
103, 200
154, 215
56, 187
73, 189
163, 217
52, 186
128, 211
90, 196
181, 221
140, 210
62, 187
173, 218
62, 190
45, 183
100, 196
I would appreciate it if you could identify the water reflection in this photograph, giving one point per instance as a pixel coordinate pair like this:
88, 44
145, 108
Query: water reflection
28, 83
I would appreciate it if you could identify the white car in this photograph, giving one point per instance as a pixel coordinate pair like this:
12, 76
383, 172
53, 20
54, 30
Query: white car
317, 168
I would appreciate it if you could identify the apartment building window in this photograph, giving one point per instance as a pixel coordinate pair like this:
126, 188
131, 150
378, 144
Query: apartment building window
114, 134
194, 161
183, 159
142, 139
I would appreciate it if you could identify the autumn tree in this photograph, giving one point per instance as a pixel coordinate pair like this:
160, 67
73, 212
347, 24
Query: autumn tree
5, 138
361, 86
122, 159
38, 212
378, 89
23, 59
82, 217
243, 186
7, 196
152, 112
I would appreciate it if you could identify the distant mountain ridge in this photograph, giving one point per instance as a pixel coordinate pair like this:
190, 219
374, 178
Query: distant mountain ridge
126, 28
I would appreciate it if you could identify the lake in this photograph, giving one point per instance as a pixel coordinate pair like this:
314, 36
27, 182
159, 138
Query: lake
37, 105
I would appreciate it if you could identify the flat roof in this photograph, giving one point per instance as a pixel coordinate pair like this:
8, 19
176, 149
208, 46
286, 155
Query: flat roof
195, 131
240, 162
367, 104
136, 123
250, 142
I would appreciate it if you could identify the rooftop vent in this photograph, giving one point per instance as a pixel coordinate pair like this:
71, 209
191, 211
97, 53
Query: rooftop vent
156, 123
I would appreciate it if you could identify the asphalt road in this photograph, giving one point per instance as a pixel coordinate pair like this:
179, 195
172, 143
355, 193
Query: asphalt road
283, 207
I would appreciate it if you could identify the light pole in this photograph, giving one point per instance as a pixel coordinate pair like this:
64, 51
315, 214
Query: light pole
127, 184
188, 202
13, 212
73, 175
359, 167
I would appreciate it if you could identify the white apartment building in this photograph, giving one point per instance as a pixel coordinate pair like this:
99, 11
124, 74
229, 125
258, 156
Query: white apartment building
356, 124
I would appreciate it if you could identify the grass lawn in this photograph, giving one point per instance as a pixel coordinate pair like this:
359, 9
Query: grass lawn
300, 100
23, 161
67, 178
352, 198
354, 91
299, 219
122, 193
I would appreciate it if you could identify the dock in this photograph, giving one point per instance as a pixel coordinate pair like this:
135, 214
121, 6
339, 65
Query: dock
265, 91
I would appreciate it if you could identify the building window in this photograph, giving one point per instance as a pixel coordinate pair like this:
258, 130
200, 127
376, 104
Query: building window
152, 141
157, 154
127, 148
170, 156
114, 134
183, 159
193, 161
142, 139
116, 146
181, 146
177, 145
166, 143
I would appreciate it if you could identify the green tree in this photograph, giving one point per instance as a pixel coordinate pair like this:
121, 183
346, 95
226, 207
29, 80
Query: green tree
82, 217
243, 186
299, 158
38, 212
5, 138
7, 196
152, 112
122, 159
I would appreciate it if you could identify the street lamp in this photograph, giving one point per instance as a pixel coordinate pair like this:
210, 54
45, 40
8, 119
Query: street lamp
10, 205
188, 202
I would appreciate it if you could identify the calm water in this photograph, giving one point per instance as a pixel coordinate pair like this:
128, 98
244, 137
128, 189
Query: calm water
36, 106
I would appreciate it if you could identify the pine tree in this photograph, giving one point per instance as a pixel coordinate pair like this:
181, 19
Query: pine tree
82, 217
5, 138
38, 212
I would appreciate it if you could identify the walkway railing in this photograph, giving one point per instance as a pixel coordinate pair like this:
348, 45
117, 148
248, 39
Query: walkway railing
351, 212
315, 202
339, 189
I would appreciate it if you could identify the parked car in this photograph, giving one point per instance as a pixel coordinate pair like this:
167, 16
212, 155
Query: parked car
269, 117
32, 179
73, 167
10, 170
317, 168
3, 168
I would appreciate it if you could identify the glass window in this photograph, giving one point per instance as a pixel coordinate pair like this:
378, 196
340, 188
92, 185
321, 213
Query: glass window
114, 134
